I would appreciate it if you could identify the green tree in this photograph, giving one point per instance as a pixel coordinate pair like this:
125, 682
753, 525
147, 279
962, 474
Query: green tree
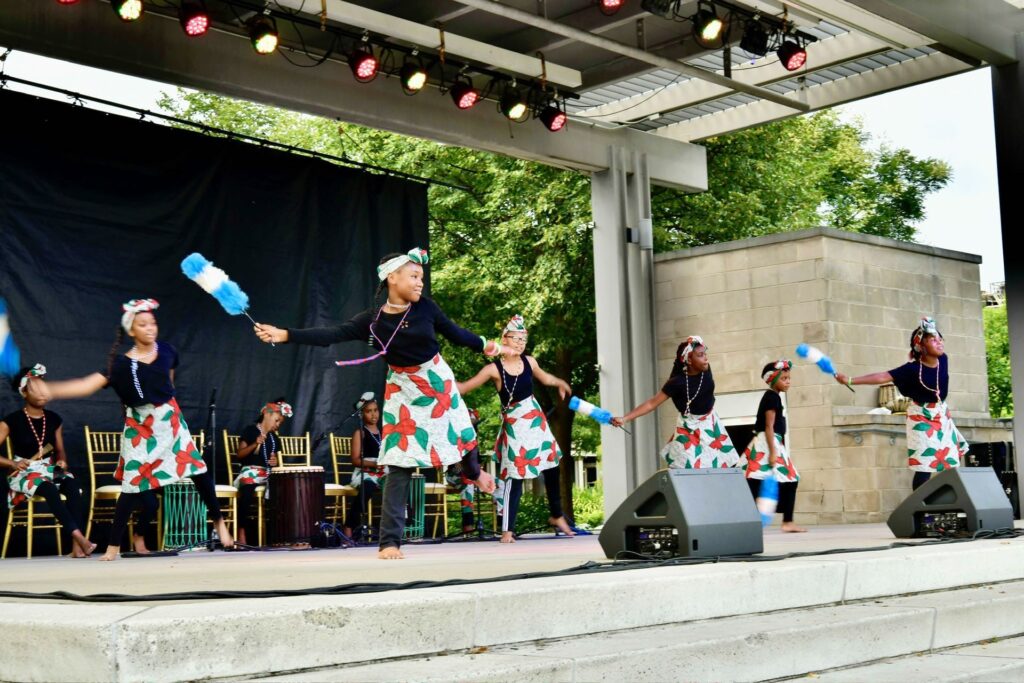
997, 357
794, 174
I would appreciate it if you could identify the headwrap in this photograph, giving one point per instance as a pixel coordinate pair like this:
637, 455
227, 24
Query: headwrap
367, 397
515, 324
691, 344
416, 255
133, 308
38, 370
279, 407
925, 329
776, 371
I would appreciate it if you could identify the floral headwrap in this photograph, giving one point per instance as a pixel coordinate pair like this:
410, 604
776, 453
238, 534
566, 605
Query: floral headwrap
366, 398
515, 324
279, 407
925, 329
691, 345
416, 255
133, 308
38, 370
772, 376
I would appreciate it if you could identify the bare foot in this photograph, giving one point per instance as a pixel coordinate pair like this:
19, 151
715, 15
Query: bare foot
468, 528
111, 554
82, 546
226, 539
241, 537
140, 545
561, 525
508, 537
347, 531
792, 528
390, 553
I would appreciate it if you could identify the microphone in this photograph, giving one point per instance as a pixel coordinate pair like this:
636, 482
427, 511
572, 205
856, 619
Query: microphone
213, 398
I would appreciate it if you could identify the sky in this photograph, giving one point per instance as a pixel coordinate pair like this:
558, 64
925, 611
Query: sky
949, 119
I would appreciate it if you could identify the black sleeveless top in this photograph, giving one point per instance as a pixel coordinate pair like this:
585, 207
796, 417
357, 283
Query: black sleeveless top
521, 384
371, 445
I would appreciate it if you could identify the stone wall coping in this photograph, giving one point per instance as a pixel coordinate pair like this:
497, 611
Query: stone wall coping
817, 232
900, 419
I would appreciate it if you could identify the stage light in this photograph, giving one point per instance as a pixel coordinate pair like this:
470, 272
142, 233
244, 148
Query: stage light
364, 64
67, 2
513, 105
610, 7
193, 17
263, 34
413, 76
464, 95
708, 29
791, 55
553, 117
755, 39
127, 10
665, 9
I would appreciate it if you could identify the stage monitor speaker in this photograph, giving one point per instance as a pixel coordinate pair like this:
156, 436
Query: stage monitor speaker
686, 513
959, 501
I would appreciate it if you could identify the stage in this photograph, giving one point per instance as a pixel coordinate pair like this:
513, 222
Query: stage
736, 620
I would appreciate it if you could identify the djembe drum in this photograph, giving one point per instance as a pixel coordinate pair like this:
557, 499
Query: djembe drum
295, 506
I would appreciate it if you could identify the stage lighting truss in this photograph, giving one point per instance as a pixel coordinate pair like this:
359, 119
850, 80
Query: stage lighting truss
762, 34
369, 56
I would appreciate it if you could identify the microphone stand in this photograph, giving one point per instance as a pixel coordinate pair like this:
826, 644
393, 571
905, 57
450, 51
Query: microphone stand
363, 529
211, 420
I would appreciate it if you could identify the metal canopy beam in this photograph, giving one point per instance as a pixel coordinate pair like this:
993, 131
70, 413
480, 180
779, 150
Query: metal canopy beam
429, 37
822, 55
224, 63
983, 29
629, 51
926, 68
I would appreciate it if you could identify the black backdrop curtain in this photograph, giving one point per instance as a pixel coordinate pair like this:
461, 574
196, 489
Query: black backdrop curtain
96, 209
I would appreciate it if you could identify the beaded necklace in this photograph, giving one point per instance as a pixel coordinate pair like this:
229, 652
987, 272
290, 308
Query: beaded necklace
39, 439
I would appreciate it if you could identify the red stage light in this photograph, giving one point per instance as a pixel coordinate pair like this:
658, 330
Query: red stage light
464, 95
363, 64
792, 55
610, 7
193, 17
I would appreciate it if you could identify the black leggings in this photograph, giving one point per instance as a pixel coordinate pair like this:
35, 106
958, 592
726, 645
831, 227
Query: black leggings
787, 497
514, 493
355, 505
127, 502
919, 479
68, 514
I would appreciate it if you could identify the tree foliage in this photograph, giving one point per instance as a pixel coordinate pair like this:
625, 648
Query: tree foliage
997, 356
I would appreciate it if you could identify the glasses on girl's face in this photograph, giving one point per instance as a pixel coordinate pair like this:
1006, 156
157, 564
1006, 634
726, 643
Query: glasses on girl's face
516, 340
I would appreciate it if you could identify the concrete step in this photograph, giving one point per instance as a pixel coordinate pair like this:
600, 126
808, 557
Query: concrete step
744, 648
996, 662
154, 642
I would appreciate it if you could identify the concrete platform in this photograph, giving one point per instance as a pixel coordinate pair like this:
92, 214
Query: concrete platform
636, 612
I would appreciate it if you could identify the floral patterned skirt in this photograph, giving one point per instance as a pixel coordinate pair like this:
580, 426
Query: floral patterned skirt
700, 441
426, 423
525, 446
934, 444
373, 475
756, 460
22, 484
251, 474
156, 448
